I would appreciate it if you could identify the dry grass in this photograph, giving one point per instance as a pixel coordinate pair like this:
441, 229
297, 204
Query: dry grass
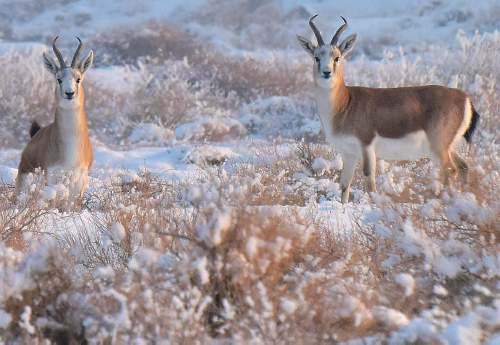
244, 252
227, 262
158, 43
153, 42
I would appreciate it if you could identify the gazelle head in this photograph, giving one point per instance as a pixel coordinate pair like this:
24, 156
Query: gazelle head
69, 91
328, 57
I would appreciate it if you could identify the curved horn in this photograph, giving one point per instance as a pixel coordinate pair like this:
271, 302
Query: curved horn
77, 53
316, 31
339, 32
58, 54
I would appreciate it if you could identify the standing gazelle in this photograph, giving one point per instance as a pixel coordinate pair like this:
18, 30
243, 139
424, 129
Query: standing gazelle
391, 123
64, 145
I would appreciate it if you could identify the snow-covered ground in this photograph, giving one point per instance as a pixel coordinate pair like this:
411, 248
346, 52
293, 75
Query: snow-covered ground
212, 208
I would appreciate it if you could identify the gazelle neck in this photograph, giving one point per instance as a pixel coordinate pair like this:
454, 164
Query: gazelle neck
70, 118
70, 122
72, 130
335, 97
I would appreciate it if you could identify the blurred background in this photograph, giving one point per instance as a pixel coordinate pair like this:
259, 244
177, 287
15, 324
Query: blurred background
238, 26
170, 71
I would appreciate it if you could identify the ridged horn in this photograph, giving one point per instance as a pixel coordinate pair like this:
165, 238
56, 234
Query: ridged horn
339, 32
76, 57
316, 31
58, 53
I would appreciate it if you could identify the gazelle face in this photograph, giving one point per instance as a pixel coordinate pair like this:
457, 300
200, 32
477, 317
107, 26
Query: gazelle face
328, 57
68, 85
69, 79
327, 65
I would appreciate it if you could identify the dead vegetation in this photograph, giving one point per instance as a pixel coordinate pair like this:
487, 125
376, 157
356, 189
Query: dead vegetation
237, 256
256, 249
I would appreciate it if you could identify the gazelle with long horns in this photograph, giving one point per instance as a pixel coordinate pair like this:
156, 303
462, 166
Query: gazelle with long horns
391, 123
62, 147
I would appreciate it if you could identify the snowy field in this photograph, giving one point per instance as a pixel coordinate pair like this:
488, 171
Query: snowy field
212, 210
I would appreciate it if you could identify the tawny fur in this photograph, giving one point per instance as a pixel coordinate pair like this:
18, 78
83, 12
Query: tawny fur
47, 147
392, 123
62, 149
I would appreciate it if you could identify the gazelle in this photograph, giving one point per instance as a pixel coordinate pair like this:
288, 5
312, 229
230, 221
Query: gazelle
64, 145
391, 123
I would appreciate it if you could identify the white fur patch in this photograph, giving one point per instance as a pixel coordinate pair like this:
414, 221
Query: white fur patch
347, 144
412, 146
324, 104
69, 128
465, 123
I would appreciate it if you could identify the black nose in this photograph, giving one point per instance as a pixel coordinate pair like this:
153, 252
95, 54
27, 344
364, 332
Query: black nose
327, 73
69, 94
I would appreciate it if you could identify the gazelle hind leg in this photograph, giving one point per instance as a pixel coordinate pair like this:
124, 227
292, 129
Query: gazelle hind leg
369, 161
462, 166
448, 167
350, 162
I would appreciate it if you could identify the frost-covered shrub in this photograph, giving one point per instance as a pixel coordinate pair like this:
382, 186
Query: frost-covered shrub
153, 42
283, 116
24, 95
253, 249
159, 43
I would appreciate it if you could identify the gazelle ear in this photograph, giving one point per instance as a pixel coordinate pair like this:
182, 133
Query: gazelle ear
306, 45
86, 63
346, 46
49, 64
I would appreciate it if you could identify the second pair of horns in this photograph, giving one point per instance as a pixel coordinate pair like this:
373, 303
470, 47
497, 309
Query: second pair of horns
335, 38
59, 56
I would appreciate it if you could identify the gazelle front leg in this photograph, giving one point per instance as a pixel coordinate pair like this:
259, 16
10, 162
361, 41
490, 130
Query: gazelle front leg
350, 162
21, 184
369, 161
78, 183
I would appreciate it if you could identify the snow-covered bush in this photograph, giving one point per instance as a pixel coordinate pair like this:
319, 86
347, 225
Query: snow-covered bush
245, 240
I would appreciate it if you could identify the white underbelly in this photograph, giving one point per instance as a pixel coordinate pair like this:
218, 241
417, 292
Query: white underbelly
412, 146
345, 143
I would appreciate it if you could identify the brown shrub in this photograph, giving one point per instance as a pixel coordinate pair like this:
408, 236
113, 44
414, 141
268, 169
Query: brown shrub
153, 41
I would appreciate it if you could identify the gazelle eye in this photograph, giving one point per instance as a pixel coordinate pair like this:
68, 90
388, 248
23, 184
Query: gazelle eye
337, 59
59, 81
78, 80
317, 59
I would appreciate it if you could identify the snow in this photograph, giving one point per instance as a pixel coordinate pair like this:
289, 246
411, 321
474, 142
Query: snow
201, 266
449, 267
250, 154
440, 290
7, 174
321, 166
407, 282
117, 233
25, 321
5, 319
465, 330
393, 318
288, 306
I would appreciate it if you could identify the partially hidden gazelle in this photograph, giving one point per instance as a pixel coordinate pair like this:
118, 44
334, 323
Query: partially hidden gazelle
62, 149
390, 123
